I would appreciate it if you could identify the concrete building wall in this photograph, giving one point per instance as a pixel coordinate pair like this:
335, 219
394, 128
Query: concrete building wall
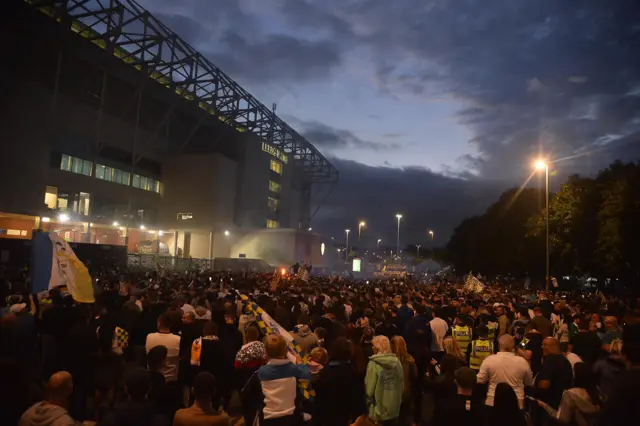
202, 185
253, 186
25, 120
283, 247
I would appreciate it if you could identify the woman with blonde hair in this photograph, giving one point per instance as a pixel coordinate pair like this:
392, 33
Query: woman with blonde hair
452, 348
410, 370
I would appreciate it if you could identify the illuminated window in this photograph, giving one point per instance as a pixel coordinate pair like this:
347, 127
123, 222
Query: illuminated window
104, 172
121, 177
75, 165
65, 163
274, 186
272, 224
273, 204
276, 166
51, 197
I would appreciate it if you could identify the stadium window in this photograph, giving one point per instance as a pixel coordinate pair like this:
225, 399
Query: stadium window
273, 204
126, 178
136, 181
83, 204
76, 165
118, 178
276, 166
274, 186
271, 224
100, 169
65, 163
51, 197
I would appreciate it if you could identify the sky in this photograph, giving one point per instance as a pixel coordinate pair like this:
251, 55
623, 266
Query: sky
431, 108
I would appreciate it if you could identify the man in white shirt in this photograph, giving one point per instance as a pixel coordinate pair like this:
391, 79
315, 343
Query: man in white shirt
165, 338
439, 329
505, 367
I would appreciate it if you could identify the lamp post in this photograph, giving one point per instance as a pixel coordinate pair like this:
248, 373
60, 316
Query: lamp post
379, 241
398, 216
346, 250
542, 165
418, 251
360, 226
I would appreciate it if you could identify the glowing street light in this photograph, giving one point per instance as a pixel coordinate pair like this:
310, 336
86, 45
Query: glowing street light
418, 251
143, 227
398, 216
543, 165
115, 224
63, 217
360, 226
379, 241
346, 249
227, 233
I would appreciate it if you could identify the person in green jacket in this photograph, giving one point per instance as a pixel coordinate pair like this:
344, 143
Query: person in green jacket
384, 382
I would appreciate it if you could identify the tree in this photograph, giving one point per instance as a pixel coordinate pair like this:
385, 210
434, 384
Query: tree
617, 251
496, 242
593, 228
572, 213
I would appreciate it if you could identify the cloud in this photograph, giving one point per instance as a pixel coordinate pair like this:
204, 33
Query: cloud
328, 138
541, 76
276, 58
237, 37
427, 200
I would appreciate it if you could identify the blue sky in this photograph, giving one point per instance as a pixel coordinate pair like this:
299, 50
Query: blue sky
442, 103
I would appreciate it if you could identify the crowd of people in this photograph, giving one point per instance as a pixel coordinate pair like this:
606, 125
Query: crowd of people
190, 349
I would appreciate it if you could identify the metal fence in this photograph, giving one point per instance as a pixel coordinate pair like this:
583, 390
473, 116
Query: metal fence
154, 261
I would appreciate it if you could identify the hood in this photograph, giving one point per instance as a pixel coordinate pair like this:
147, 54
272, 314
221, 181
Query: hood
46, 414
582, 401
386, 361
133, 413
615, 363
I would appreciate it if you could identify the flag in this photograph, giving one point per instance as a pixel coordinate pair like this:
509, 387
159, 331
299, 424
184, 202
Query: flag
269, 326
54, 264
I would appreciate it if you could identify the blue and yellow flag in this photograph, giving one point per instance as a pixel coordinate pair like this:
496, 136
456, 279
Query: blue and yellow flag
54, 264
269, 326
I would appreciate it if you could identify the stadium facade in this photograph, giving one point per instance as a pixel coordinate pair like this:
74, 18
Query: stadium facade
116, 131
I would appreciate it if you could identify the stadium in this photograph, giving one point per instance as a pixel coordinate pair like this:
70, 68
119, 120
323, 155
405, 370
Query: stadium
116, 132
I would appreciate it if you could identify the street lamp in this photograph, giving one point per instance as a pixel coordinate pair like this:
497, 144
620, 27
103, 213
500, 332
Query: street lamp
379, 241
360, 226
418, 252
542, 165
346, 249
398, 216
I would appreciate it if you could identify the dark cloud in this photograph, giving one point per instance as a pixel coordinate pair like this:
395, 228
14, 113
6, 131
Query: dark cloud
541, 76
275, 58
328, 138
426, 200
234, 36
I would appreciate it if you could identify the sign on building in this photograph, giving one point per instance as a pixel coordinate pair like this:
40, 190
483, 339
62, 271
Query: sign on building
185, 216
275, 152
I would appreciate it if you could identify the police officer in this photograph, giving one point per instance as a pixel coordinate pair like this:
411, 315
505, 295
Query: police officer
480, 348
461, 332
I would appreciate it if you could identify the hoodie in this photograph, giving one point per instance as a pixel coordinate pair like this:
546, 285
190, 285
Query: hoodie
608, 371
576, 409
384, 384
45, 414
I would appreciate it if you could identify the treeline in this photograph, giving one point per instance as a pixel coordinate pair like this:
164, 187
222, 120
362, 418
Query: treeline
594, 228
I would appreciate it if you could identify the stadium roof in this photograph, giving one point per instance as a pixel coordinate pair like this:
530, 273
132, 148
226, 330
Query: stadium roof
129, 32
